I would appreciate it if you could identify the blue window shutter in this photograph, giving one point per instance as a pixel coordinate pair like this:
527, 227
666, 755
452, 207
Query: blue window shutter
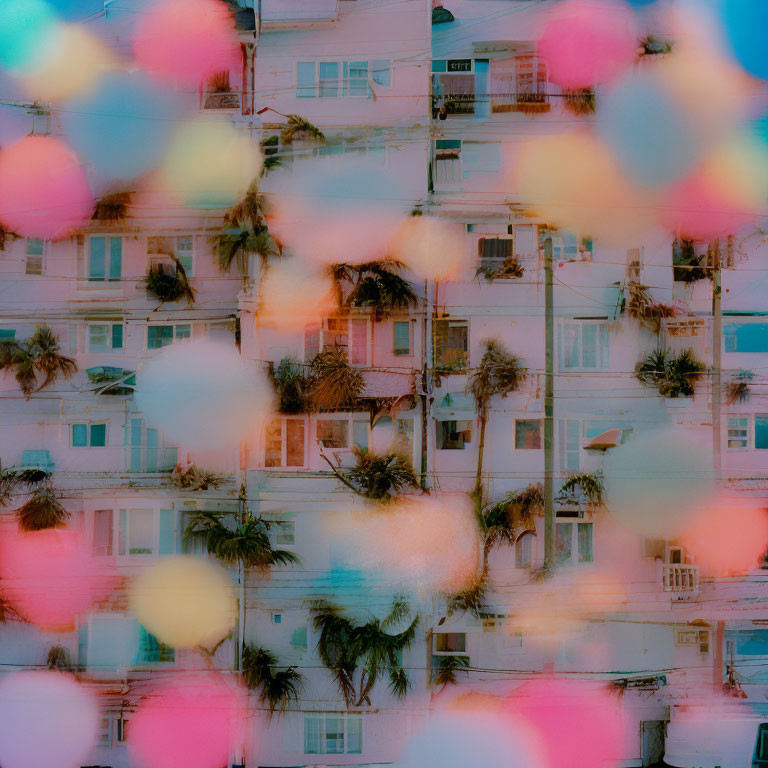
98, 435
761, 432
98, 258
746, 337
117, 336
79, 435
305, 79
402, 337
439, 65
166, 532
382, 72
136, 429
7, 334
115, 258
360, 434
151, 460
329, 78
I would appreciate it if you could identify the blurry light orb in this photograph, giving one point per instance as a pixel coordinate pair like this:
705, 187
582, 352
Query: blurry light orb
184, 601
570, 717
343, 213
204, 395
186, 40
72, 63
210, 163
744, 23
191, 723
122, 127
657, 483
480, 739
44, 191
738, 545
586, 42
433, 248
46, 719
653, 138
572, 179
26, 27
51, 576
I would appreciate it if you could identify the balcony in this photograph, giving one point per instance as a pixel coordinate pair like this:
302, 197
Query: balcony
681, 581
463, 103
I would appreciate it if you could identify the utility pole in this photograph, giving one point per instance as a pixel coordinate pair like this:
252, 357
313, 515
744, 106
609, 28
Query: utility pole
717, 340
549, 409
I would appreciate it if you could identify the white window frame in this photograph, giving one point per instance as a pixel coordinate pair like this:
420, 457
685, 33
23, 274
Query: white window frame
541, 434
40, 256
106, 279
109, 348
162, 258
749, 429
88, 425
343, 79
435, 652
574, 561
455, 323
529, 539
350, 419
176, 339
288, 528
346, 717
325, 336
411, 327
284, 443
602, 354
467, 443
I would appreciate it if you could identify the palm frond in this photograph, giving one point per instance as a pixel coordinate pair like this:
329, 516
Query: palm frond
334, 384
640, 306
167, 286
291, 385
381, 477
277, 688
298, 127
399, 683
112, 207
42, 510
447, 667
590, 484
471, 598
580, 101
11, 479
58, 658
499, 373
672, 376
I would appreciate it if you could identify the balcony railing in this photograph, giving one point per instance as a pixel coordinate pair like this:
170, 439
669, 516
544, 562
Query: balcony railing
682, 580
462, 103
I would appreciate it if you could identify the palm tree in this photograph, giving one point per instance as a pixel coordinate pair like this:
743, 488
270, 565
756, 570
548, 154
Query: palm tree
673, 376
6, 235
113, 207
445, 674
373, 284
279, 688
245, 544
37, 356
499, 373
587, 484
12, 479
334, 384
58, 659
502, 522
345, 647
42, 510
298, 127
168, 286
291, 385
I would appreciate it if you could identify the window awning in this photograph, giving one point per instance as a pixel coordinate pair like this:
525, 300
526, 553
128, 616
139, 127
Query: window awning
611, 438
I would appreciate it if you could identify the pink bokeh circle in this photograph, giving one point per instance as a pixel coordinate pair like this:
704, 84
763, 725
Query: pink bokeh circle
193, 722
44, 191
186, 41
587, 42
49, 576
570, 717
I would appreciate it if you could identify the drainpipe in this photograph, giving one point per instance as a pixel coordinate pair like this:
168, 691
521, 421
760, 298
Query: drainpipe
717, 335
426, 352
549, 409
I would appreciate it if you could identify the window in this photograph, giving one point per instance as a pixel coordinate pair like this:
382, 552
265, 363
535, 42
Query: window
453, 435
105, 258
333, 433
351, 335
495, 248
121, 729
333, 733
745, 337
569, 444
340, 78
451, 344
145, 450
402, 337
159, 336
403, 439
102, 532
698, 637
105, 337
761, 746
282, 533
531, 80
573, 538
89, 435
513, 641
567, 246
450, 642
584, 345
137, 532
152, 651
7, 334
277, 618
190, 545
181, 246
453, 86
35, 250
447, 161
480, 157
284, 443
738, 435
761, 432
528, 434
523, 551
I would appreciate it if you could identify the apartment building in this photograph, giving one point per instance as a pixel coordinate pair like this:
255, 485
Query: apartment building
439, 98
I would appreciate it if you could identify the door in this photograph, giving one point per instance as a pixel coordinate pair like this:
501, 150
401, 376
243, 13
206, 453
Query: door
652, 741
